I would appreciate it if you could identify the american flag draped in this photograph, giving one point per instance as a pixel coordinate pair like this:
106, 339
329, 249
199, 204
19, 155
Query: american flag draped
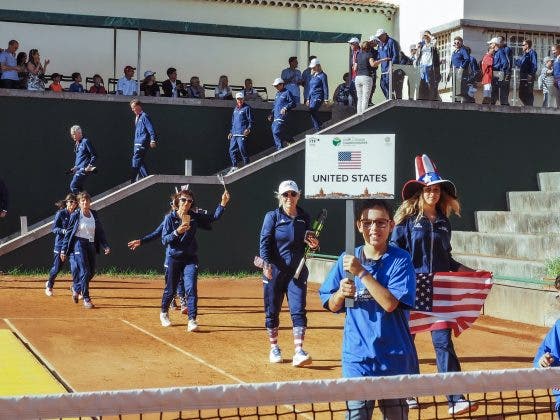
449, 300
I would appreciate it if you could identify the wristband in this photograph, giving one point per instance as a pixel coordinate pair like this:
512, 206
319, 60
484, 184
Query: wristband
363, 274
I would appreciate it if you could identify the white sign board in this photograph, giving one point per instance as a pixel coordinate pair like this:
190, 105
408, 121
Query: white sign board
350, 166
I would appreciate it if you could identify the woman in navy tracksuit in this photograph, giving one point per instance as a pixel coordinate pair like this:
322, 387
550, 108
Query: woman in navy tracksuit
61, 218
318, 92
156, 234
84, 237
282, 246
423, 229
179, 231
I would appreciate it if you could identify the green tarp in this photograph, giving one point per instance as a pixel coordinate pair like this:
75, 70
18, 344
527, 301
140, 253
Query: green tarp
170, 26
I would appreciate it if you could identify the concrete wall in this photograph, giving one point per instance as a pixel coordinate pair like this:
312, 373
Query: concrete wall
38, 149
514, 11
90, 51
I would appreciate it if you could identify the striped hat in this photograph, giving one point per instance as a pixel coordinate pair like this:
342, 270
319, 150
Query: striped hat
426, 175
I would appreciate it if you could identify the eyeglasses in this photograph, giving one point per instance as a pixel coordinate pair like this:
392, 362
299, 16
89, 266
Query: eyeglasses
289, 194
380, 223
185, 200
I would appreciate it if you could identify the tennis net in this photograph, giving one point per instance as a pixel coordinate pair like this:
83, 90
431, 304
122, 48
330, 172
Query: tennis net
518, 393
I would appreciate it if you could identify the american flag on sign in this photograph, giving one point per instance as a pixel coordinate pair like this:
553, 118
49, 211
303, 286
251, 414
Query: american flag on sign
449, 300
350, 160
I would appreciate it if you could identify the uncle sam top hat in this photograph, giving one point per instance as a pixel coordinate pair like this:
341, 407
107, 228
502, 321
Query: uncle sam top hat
426, 175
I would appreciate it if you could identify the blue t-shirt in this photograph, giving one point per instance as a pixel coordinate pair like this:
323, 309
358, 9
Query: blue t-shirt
372, 335
551, 344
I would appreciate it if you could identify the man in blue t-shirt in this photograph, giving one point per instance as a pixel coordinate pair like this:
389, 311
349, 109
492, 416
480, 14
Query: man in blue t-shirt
377, 340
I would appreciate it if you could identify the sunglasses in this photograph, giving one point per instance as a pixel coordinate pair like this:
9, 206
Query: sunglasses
380, 223
185, 200
289, 194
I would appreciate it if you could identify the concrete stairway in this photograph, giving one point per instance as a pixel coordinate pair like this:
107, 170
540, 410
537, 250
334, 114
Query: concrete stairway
516, 243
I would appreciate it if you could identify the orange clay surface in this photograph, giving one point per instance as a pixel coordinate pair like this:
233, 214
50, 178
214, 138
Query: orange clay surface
120, 344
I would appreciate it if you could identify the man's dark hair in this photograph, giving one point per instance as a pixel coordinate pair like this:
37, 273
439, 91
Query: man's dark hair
75, 75
291, 59
12, 42
345, 76
248, 80
171, 70
362, 205
468, 49
529, 43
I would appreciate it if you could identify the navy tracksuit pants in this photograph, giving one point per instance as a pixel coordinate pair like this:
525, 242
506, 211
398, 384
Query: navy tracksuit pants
84, 257
295, 290
187, 272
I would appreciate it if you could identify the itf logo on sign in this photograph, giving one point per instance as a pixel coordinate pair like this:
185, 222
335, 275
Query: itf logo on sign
350, 160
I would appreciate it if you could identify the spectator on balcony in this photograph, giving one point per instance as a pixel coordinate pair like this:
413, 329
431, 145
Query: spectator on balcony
388, 52
364, 67
486, 64
223, 90
241, 124
501, 71
413, 54
292, 78
97, 85
249, 92
306, 77
76, 85
473, 77
354, 50
428, 61
195, 90
127, 85
172, 87
459, 69
84, 163
36, 71
546, 83
318, 92
21, 60
345, 93
8, 66
527, 64
55, 86
556, 74
283, 102
149, 86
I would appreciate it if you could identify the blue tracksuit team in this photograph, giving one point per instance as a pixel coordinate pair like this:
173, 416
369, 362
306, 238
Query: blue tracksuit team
144, 133
182, 258
85, 156
60, 225
318, 93
241, 120
283, 102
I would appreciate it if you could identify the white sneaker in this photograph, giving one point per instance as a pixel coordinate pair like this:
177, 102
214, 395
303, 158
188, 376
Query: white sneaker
164, 318
192, 325
301, 358
463, 406
232, 170
275, 355
412, 402
48, 290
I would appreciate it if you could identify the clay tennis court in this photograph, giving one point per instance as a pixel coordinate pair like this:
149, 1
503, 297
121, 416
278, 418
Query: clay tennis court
121, 344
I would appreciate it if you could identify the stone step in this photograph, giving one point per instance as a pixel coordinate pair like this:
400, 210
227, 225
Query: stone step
521, 269
533, 201
517, 222
524, 247
549, 181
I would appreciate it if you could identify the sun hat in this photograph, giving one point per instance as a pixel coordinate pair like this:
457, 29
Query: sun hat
426, 175
277, 81
314, 62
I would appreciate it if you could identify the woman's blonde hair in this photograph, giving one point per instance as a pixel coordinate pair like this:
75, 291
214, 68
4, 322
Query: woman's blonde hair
414, 206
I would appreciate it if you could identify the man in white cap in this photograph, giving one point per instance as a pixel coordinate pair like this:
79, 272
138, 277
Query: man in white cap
354, 50
306, 77
283, 102
389, 50
501, 71
292, 78
241, 124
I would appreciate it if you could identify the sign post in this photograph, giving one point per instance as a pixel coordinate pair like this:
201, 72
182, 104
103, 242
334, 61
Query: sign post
349, 167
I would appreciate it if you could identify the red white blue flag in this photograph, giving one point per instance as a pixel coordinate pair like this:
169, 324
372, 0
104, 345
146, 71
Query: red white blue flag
449, 300
350, 160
